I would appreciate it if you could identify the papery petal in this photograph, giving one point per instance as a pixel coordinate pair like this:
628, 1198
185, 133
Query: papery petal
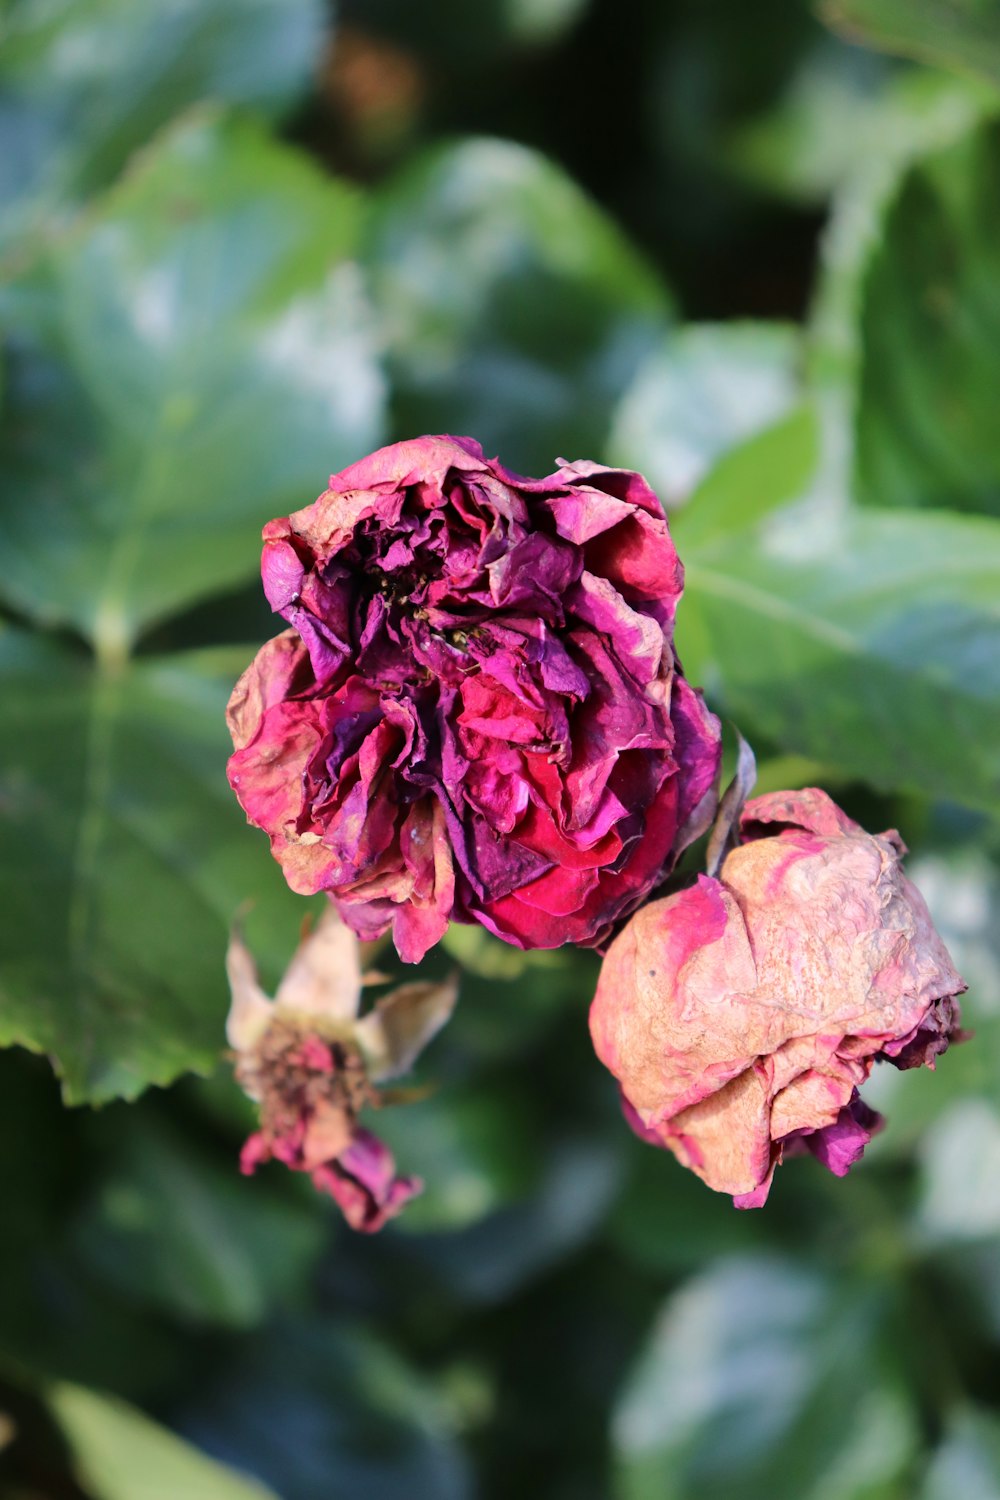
740, 1015
493, 647
363, 1183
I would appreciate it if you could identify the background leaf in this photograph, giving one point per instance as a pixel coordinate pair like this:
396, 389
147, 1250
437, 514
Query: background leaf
746, 1361
704, 390
200, 358
122, 992
968, 1461
930, 330
121, 1454
870, 640
86, 82
528, 327
961, 34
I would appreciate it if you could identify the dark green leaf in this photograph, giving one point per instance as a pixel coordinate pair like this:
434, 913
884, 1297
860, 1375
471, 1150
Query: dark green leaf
198, 360
927, 432
474, 1147
869, 641
321, 1411
126, 858
959, 34
514, 310
762, 1378
172, 1230
487, 1261
920, 112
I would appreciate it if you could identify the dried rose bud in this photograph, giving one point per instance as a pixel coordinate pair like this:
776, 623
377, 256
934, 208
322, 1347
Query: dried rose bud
477, 714
740, 1015
311, 1063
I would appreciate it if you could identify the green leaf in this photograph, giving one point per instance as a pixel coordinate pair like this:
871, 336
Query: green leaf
705, 389
927, 433
85, 82
471, 1145
762, 1378
808, 141
960, 1186
514, 310
967, 1463
750, 481
489, 1259
174, 1231
323, 1411
959, 34
126, 859
198, 359
870, 641
919, 113
121, 1454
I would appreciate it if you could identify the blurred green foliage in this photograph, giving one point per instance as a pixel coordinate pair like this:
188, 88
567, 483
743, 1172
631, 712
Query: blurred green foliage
242, 244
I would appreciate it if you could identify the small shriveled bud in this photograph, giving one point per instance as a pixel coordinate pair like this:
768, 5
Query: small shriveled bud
310, 1063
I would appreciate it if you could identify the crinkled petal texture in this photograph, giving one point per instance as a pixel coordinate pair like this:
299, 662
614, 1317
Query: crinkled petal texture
476, 714
740, 1015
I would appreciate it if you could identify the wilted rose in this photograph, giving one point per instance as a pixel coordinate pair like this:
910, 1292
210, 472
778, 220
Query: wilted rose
477, 714
312, 1064
740, 1015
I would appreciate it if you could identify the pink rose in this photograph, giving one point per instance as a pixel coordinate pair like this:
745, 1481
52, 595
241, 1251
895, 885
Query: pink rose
741, 1014
477, 714
312, 1062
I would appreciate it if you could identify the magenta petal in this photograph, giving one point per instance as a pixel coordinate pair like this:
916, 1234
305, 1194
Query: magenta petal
840, 1145
364, 1184
485, 656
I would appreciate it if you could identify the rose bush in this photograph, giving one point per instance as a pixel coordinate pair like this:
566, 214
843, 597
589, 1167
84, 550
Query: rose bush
741, 1014
477, 713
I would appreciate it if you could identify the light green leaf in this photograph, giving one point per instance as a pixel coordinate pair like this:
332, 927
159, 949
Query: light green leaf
960, 1188
198, 360
514, 310
126, 858
870, 641
86, 82
750, 481
121, 1454
959, 34
760, 1379
809, 140
967, 1464
706, 389
927, 433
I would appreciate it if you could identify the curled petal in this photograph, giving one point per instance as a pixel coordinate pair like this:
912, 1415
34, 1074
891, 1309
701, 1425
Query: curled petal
479, 716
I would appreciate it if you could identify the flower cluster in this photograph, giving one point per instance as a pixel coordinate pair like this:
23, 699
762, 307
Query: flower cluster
477, 715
